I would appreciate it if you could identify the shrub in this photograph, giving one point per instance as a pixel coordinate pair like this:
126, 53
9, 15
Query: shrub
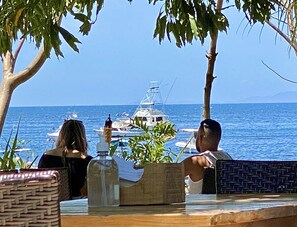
150, 146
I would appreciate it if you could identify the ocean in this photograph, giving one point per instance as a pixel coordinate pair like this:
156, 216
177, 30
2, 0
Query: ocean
250, 131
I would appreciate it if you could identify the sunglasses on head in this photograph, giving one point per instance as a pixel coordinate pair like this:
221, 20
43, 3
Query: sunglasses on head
205, 125
195, 134
78, 121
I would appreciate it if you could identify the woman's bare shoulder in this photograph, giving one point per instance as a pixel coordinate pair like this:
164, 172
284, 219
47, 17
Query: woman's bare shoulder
54, 152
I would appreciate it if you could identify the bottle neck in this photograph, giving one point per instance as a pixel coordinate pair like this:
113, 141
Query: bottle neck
102, 153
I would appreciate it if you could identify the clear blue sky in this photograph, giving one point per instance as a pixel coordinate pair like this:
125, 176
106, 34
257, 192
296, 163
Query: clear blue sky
119, 58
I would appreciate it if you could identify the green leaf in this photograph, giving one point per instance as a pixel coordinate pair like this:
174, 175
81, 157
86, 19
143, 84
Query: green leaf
193, 26
169, 30
81, 17
17, 16
237, 4
175, 32
69, 38
85, 28
99, 6
162, 27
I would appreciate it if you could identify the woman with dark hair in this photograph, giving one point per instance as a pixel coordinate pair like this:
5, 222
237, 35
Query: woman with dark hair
71, 151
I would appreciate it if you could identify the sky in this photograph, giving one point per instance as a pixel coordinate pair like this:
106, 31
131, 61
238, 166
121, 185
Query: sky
119, 58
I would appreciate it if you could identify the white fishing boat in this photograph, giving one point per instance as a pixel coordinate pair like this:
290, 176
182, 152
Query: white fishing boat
149, 112
189, 146
54, 135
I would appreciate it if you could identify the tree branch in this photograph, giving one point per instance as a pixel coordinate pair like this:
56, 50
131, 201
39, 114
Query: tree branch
292, 44
291, 81
17, 51
31, 70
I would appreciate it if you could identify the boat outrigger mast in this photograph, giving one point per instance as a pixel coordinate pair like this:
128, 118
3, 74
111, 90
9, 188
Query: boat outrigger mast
153, 95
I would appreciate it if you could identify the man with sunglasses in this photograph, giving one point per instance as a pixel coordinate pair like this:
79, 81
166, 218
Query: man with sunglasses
207, 143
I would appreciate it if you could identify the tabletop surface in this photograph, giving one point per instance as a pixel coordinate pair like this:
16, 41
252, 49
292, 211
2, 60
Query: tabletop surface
214, 208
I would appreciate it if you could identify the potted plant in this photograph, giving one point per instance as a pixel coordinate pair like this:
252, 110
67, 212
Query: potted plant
162, 181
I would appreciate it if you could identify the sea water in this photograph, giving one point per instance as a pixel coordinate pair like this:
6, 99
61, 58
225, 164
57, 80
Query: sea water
250, 131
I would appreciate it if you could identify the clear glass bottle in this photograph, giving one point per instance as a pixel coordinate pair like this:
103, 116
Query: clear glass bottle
103, 178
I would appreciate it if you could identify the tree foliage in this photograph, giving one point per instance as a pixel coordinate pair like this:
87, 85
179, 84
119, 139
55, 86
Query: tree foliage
188, 20
256, 11
39, 21
284, 21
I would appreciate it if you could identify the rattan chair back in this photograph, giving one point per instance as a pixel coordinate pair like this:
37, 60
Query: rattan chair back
209, 181
241, 176
64, 181
29, 199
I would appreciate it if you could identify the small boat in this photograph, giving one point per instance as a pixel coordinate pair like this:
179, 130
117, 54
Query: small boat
18, 150
147, 112
120, 142
54, 135
189, 146
22, 149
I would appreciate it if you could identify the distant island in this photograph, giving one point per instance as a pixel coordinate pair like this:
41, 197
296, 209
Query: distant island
283, 97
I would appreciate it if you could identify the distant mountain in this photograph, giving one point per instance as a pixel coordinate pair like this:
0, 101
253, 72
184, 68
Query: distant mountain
283, 97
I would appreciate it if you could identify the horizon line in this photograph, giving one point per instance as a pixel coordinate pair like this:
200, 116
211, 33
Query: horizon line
215, 103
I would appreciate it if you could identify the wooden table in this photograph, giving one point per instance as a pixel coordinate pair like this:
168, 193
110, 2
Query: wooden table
198, 210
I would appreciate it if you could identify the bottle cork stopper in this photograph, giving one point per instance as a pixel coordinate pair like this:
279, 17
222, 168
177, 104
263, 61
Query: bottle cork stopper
108, 130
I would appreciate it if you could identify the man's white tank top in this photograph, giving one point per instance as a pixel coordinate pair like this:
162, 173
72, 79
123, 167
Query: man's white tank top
195, 187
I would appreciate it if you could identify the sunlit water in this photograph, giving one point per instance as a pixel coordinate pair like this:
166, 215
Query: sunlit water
250, 131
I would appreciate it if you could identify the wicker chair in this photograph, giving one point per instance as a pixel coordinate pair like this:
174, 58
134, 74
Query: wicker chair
241, 176
64, 181
209, 181
29, 199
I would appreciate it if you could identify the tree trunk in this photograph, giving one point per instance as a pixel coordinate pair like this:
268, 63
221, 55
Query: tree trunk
5, 97
211, 56
10, 80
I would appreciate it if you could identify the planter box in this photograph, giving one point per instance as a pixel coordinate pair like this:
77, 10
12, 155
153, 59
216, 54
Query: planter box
161, 183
